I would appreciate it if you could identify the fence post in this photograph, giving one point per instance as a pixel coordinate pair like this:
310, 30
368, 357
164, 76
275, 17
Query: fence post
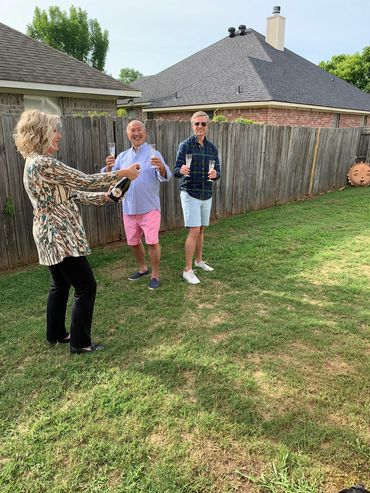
314, 160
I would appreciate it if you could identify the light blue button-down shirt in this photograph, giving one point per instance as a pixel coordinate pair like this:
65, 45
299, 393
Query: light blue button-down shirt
143, 194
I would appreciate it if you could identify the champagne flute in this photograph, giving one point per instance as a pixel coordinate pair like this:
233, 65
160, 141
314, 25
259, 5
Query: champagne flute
112, 152
211, 167
152, 153
188, 158
112, 148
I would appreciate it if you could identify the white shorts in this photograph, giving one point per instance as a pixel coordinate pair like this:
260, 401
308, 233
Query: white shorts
196, 212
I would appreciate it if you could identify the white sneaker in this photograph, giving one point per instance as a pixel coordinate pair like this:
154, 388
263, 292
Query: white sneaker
190, 277
204, 266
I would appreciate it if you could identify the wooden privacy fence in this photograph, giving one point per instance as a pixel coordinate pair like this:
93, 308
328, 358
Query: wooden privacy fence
262, 165
363, 151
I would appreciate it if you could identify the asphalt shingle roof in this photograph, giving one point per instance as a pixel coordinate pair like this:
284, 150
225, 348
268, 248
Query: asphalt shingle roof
25, 59
248, 69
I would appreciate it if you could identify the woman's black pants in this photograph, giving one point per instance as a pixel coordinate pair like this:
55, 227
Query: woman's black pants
76, 272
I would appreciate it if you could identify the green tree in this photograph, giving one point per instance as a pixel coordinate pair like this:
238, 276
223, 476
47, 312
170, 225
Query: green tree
71, 33
99, 45
352, 68
128, 75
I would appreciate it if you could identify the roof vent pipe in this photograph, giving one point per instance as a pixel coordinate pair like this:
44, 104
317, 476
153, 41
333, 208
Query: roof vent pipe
242, 30
231, 32
275, 30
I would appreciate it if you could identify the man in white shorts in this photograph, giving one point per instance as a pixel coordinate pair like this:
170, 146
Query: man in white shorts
196, 183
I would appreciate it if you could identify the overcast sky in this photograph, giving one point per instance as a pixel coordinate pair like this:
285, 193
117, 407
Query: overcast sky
151, 35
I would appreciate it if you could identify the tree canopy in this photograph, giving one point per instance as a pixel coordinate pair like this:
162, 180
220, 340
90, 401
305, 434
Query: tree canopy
128, 75
73, 33
352, 68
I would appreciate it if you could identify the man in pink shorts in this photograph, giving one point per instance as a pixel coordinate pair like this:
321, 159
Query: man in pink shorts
141, 205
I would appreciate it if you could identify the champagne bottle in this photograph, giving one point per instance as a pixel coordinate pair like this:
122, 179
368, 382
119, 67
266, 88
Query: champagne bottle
119, 189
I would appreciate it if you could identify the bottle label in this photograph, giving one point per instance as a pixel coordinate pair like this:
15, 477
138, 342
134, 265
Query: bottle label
116, 192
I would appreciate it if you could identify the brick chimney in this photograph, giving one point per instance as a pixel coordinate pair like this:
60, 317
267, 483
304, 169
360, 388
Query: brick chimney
275, 29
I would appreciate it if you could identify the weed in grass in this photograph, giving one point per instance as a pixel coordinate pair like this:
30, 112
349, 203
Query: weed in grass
287, 476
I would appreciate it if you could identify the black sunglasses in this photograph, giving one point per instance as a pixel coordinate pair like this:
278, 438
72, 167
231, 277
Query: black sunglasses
204, 124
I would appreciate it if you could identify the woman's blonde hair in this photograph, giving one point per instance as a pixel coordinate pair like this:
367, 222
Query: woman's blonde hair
34, 132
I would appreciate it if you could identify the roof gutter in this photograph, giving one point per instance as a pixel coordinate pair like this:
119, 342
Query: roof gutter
61, 90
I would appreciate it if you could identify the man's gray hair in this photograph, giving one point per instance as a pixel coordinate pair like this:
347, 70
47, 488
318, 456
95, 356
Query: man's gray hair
135, 121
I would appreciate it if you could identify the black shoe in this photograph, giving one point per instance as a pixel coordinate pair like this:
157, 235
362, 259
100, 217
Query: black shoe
136, 275
91, 349
65, 339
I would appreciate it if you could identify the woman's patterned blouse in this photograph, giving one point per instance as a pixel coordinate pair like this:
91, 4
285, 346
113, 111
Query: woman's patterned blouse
54, 191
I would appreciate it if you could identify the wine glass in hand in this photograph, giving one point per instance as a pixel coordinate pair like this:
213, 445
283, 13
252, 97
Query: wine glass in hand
110, 159
112, 148
188, 159
152, 154
211, 167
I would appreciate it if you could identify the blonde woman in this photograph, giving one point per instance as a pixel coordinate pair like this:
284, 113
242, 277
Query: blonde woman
54, 190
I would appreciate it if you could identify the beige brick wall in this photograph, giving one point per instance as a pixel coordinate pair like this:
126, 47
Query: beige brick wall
351, 121
74, 106
300, 118
259, 115
180, 116
277, 116
11, 104
292, 117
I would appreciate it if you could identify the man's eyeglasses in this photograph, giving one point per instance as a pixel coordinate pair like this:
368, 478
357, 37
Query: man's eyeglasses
204, 124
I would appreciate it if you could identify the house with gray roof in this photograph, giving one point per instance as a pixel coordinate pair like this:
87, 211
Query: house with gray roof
255, 77
34, 75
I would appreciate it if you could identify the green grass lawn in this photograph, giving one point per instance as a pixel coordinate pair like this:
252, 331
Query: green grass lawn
255, 380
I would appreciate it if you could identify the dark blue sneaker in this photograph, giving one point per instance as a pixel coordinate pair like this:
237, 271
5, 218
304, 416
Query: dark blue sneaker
154, 283
137, 275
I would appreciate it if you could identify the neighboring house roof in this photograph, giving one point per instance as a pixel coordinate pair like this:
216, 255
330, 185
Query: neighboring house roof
30, 64
243, 69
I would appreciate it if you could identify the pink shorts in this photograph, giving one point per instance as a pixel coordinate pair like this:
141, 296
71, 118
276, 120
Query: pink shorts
137, 224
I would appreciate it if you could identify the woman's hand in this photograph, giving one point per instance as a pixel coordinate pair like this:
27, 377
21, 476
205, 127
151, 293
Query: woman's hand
132, 172
106, 196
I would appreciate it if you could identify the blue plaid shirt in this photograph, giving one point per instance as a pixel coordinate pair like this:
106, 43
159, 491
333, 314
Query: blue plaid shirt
196, 184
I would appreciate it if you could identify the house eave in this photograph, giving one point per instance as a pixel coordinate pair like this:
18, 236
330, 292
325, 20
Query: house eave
255, 104
127, 104
62, 90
